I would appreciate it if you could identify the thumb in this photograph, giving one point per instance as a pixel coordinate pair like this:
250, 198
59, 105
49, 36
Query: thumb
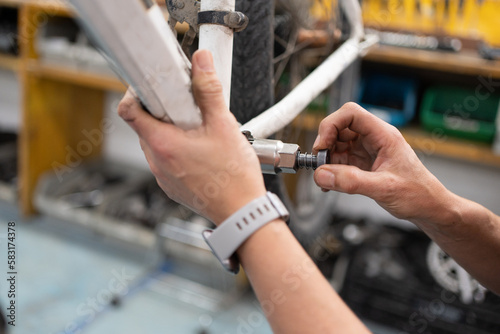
346, 179
207, 88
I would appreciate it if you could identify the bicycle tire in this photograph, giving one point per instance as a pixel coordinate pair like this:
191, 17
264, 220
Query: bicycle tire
252, 89
252, 92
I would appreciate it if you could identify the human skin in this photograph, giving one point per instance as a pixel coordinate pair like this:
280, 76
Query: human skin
371, 158
214, 171
295, 296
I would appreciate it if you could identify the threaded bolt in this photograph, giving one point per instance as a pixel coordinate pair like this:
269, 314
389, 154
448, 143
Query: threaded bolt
308, 160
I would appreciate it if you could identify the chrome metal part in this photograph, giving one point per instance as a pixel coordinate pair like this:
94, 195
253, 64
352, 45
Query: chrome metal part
276, 156
306, 160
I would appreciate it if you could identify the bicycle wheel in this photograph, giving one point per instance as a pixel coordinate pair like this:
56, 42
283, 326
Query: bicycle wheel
257, 62
252, 71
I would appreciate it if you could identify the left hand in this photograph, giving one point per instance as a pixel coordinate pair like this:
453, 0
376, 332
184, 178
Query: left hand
213, 169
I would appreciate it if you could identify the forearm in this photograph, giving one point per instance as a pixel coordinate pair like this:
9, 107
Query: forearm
294, 295
470, 234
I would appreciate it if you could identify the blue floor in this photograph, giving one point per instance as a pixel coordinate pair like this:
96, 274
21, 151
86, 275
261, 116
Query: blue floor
65, 277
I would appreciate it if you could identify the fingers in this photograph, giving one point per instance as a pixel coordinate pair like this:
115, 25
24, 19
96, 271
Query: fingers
347, 135
143, 123
131, 112
350, 116
346, 179
207, 88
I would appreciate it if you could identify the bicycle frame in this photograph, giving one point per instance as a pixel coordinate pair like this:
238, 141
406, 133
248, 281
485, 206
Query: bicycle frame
217, 40
160, 76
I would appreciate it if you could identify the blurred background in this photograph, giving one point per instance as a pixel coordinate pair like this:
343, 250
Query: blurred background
101, 249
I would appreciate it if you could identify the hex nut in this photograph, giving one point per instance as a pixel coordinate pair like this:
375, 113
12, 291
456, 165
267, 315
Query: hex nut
288, 158
322, 158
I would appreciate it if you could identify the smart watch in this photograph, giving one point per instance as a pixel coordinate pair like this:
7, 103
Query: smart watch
228, 236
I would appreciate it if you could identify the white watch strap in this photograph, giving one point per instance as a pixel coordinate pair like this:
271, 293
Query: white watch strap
227, 237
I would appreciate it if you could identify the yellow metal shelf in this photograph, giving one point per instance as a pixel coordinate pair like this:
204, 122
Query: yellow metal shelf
9, 62
450, 147
465, 63
13, 3
75, 76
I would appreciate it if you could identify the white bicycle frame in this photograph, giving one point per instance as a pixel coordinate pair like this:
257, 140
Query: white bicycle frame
137, 41
219, 41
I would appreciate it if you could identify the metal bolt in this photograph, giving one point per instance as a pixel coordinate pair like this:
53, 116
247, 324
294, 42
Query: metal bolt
307, 160
236, 20
179, 4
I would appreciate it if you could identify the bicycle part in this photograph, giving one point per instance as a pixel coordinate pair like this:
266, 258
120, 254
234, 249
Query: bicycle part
310, 209
219, 41
234, 20
451, 276
278, 157
183, 11
159, 77
283, 113
252, 78
251, 85
306, 160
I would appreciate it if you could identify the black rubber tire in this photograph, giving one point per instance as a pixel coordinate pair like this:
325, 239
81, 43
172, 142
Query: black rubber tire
252, 92
252, 87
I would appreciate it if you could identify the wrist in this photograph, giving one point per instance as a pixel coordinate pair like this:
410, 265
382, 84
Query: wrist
227, 238
443, 213
265, 235
234, 201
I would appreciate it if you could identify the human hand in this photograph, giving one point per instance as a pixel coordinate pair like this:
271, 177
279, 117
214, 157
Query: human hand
371, 158
213, 169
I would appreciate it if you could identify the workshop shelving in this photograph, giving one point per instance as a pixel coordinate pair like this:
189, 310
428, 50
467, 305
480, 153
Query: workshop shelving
463, 63
59, 102
450, 147
75, 76
9, 62
427, 143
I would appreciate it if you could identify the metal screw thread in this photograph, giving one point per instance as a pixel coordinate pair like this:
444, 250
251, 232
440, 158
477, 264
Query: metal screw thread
307, 160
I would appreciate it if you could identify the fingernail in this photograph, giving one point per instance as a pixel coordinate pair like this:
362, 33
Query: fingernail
316, 142
327, 178
205, 61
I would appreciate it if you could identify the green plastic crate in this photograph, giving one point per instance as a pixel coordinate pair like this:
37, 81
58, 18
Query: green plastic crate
460, 112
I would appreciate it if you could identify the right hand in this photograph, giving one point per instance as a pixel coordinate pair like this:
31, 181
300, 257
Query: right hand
371, 158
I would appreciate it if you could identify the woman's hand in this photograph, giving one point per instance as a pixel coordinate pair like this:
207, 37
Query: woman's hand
212, 169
